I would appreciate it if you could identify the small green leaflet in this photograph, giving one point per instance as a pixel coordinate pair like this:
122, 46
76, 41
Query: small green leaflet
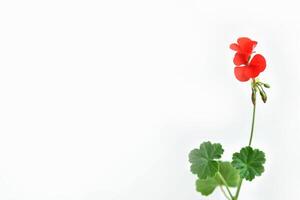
203, 159
208, 185
230, 174
249, 162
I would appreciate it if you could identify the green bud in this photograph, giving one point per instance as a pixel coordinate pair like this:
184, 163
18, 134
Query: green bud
253, 96
263, 96
266, 85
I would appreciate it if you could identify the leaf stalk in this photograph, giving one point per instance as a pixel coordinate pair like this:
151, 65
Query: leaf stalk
226, 185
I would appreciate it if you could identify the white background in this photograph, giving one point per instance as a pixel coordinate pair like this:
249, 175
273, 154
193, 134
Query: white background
105, 99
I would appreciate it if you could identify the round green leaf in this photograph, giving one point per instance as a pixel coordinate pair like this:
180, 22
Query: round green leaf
203, 159
249, 162
206, 186
229, 173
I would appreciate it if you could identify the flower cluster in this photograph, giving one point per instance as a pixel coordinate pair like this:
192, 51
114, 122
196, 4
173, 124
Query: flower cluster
247, 67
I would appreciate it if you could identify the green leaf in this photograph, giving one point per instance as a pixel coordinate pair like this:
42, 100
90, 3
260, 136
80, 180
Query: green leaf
203, 159
249, 162
229, 173
206, 186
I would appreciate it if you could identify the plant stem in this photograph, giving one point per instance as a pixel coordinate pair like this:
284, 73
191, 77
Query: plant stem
238, 190
250, 142
252, 126
223, 191
226, 185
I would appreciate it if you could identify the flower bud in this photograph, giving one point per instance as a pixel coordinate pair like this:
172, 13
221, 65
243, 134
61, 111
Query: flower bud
266, 85
253, 96
263, 96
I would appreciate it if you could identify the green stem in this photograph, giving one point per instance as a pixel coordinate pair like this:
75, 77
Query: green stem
252, 126
223, 191
238, 189
250, 142
226, 185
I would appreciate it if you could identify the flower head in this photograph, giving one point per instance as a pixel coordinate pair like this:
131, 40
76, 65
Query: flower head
246, 67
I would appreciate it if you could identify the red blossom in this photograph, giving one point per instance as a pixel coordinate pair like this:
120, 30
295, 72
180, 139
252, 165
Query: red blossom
252, 70
247, 68
244, 48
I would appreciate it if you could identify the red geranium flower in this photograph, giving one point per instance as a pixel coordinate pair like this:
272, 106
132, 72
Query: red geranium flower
246, 68
251, 70
244, 48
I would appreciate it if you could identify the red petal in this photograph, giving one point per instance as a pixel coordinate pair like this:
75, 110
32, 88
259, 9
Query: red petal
234, 47
257, 65
251, 72
246, 45
242, 40
240, 59
258, 62
239, 73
